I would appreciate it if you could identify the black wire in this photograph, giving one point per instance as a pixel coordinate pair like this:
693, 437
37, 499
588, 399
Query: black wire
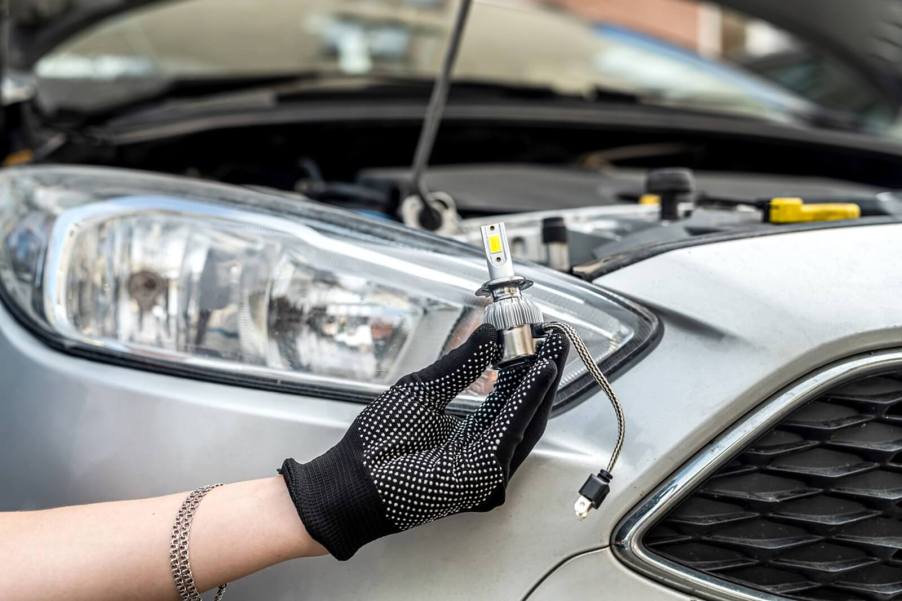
436, 106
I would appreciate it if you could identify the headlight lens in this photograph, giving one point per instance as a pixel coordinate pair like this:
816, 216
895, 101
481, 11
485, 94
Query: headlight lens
220, 282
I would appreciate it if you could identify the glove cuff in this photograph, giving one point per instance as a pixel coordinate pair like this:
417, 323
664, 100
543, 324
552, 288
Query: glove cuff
336, 499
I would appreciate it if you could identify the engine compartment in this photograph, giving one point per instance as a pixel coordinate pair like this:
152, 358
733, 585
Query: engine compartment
278, 156
590, 176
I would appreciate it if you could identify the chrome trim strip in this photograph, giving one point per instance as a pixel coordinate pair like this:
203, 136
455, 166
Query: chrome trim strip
628, 535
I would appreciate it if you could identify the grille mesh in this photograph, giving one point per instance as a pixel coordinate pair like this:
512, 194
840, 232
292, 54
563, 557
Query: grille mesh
810, 510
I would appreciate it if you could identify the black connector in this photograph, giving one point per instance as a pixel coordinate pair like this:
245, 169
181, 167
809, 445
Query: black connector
592, 493
429, 218
554, 230
673, 186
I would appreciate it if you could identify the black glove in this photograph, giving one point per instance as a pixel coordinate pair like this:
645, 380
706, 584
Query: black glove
404, 462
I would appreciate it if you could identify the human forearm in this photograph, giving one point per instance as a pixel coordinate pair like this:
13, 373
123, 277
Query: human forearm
404, 461
120, 550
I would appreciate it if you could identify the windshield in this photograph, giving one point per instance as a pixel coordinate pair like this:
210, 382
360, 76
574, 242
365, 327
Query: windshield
510, 42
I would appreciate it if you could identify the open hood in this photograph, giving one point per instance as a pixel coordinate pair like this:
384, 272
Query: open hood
37, 26
865, 34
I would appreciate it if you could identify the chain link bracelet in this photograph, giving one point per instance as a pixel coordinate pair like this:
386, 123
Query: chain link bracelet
179, 563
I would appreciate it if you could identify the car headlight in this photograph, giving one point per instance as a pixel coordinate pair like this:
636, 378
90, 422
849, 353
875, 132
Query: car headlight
225, 283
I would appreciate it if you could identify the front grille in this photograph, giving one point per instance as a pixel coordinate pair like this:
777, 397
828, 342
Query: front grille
810, 510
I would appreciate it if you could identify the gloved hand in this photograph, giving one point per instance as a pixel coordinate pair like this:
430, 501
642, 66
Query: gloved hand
404, 462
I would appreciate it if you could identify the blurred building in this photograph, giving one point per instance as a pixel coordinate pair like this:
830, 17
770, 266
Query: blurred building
699, 26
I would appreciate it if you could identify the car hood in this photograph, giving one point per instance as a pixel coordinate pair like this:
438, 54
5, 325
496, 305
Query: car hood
865, 33
741, 320
38, 26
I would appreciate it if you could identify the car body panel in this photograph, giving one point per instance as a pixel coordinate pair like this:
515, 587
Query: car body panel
735, 331
598, 574
75, 431
742, 319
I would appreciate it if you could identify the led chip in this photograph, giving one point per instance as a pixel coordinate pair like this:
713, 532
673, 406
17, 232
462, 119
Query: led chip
495, 245
497, 252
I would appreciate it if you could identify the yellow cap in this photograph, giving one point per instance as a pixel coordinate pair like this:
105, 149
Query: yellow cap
649, 199
19, 157
794, 210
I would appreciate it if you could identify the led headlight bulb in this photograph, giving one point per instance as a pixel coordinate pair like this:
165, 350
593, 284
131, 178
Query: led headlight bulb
516, 317
519, 322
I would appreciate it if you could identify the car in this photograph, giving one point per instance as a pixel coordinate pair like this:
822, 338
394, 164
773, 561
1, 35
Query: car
214, 253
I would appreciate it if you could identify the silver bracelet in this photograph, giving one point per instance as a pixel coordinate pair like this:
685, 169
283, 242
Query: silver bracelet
179, 562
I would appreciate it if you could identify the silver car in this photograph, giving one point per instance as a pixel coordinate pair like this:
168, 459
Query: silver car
208, 267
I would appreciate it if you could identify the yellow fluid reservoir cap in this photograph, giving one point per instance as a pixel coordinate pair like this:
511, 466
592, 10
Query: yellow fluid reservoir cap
649, 199
794, 210
18, 157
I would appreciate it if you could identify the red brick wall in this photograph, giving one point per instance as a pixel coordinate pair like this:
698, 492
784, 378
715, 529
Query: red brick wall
674, 20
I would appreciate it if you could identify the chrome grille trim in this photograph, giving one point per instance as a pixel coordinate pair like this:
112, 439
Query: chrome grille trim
627, 543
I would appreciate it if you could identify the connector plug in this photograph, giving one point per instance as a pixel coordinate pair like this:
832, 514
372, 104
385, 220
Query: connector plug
592, 493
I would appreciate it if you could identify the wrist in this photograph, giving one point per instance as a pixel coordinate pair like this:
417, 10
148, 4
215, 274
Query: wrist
336, 499
293, 538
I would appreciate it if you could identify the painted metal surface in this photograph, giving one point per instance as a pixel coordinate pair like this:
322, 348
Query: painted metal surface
742, 320
73, 431
598, 575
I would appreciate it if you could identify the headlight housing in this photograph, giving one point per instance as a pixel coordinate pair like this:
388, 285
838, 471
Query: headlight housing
224, 283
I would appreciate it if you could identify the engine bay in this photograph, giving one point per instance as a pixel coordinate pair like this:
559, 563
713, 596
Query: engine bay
601, 196
592, 176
